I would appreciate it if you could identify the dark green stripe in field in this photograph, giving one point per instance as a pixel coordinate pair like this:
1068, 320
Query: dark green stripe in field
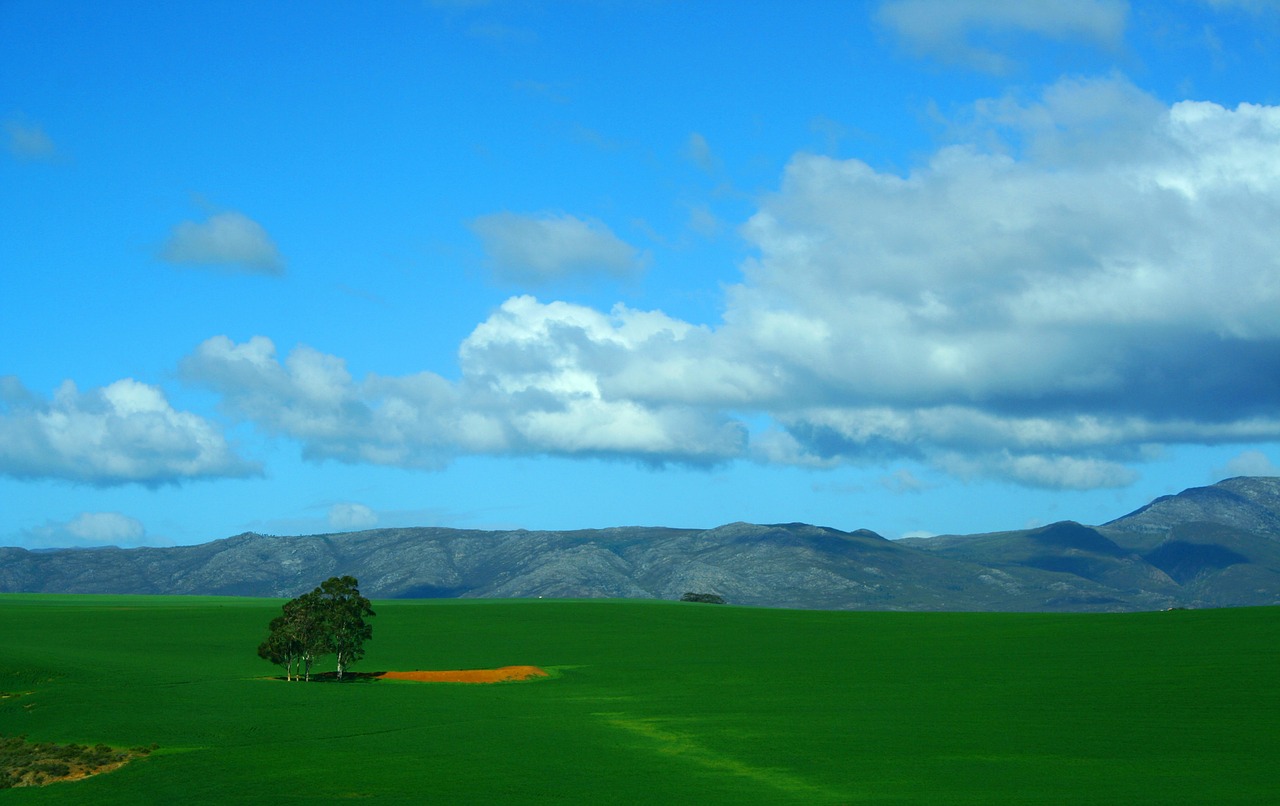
655, 703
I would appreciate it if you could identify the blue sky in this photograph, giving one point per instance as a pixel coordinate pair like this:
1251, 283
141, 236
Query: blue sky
915, 266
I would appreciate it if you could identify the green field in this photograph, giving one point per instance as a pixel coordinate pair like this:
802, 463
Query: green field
654, 702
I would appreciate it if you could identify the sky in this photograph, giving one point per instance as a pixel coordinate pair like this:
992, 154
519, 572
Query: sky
916, 266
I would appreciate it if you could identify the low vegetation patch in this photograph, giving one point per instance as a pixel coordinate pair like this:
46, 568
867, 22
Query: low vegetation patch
704, 598
24, 763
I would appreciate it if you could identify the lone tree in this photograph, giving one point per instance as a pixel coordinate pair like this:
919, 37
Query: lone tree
329, 620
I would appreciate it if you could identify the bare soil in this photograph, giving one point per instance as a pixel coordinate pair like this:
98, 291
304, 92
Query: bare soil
501, 675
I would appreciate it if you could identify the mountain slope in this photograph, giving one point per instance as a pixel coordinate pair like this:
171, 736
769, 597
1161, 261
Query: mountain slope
1215, 546
1247, 504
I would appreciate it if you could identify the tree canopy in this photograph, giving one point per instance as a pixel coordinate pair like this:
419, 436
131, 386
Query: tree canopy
329, 620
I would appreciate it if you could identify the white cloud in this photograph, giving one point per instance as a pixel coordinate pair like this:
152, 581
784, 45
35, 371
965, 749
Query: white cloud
121, 433
1247, 463
1055, 472
106, 527
91, 530
229, 239
1075, 122
29, 142
351, 516
979, 276
548, 247
414, 421
1086, 301
951, 30
775, 446
537, 379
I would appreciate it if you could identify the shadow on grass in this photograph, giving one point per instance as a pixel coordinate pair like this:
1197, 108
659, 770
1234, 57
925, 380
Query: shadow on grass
332, 677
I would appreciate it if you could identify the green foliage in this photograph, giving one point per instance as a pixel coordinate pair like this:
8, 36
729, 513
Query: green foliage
657, 702
329, 620
705, 598
342, 617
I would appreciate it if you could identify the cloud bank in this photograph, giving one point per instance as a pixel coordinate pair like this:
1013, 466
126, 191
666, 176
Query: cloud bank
1097, 279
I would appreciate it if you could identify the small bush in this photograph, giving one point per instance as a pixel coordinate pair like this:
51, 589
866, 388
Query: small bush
705, 598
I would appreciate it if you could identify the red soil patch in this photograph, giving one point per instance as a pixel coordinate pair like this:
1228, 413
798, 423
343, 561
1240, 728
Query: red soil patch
468, 675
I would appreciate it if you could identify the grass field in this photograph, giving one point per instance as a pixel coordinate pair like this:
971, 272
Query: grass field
653, 702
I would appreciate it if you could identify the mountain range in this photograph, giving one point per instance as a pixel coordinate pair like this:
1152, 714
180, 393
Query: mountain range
1216, 546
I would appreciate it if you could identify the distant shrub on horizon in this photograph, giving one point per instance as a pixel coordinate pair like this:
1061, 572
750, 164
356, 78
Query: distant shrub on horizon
705, 598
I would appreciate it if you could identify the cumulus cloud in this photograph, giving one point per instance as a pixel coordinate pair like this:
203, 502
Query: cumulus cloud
548, 247
29, 142
413, 421
1017, 307
350, 516
1041, 298
537, 379
229, 239
952, 30
121, 433
91, 530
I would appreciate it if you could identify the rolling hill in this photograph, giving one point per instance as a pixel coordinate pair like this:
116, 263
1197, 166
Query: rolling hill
1214, 546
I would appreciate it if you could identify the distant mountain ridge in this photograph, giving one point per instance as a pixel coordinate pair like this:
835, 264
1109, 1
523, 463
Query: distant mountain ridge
1211, 546
1245, 503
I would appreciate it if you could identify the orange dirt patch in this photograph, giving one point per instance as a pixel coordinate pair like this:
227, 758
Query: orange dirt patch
468, 675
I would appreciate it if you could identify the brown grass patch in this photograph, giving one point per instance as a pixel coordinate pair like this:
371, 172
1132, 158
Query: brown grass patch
502, 675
